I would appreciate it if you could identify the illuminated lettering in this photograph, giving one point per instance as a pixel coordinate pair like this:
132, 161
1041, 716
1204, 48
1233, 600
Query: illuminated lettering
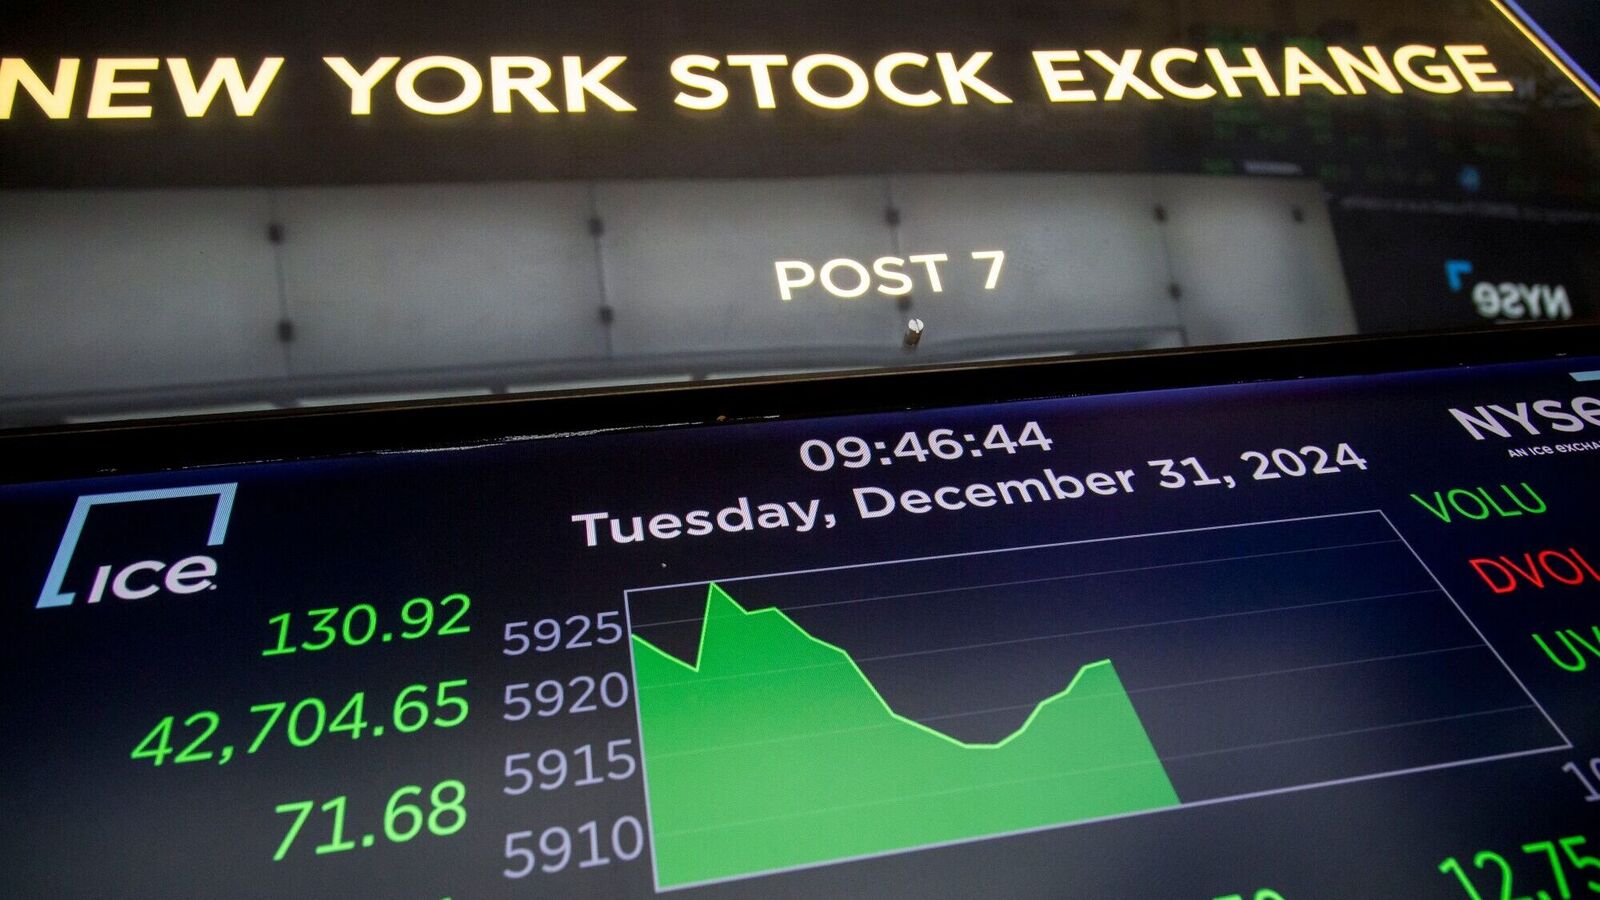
931, 262
828, 81
361, 83
892, 270
684, 70
1441, 79
502, 83
1047, 62
55, 102
793, 273
405, 85
1299, 70
1254, 67
1122, 75
1160, 64
580, 81
106, 86
801, 76
196, 100
1473, 72
1375, 69
958, 79
863, 280
760, 66
883, 77
848, 279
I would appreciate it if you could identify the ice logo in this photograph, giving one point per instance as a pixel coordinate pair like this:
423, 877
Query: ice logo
144, 578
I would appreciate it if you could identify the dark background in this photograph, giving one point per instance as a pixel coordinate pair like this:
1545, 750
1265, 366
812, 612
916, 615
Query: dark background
1394, 262
1538, 143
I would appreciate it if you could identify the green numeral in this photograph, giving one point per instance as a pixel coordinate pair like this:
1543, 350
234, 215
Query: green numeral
336, 841
423, 620
1568, 845
283, 636
1499, 862
322, 627
359, 624
304, 809
357, 638
1449, 866
450, 627
458, 702
317, 721
162, 736
403, 819
454, 808
394, 812
410, 715
1549, 849
276, 710
356, 722
189, 753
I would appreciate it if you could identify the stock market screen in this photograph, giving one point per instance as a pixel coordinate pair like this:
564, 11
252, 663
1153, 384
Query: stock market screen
1271, 639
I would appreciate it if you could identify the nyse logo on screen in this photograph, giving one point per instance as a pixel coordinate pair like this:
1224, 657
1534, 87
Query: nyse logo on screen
1506, 420
1510, 301
147, 577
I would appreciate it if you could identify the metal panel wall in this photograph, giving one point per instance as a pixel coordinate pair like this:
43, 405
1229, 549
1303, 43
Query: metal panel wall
135, 300
412, 277
1083, 253
690, 264
107, 290
1255, 259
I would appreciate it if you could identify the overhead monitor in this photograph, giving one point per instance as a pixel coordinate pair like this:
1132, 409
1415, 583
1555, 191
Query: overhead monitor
1288, 622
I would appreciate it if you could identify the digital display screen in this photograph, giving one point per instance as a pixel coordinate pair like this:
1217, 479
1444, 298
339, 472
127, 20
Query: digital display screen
1293, 638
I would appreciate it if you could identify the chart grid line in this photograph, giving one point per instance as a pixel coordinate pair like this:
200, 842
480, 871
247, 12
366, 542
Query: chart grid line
1068, 634
1144, 690
1187, 805
1566, 744
1025, 581
1478, 631
729, 579
644, 770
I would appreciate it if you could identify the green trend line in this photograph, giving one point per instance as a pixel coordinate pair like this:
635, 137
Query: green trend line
715, 590
773, 749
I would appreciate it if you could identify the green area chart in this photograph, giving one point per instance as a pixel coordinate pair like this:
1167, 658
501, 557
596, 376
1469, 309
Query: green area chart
772, 750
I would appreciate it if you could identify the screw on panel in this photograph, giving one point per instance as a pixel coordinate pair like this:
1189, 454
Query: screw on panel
1298, 214
903, 302
1160, 213
913, 333
596, 227
607, 315
285, 330
275, 232
1174, 291
891, 216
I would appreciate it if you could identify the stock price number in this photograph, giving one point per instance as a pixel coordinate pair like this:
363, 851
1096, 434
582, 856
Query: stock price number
405, 817
358, 625
306, 722
1557, 854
